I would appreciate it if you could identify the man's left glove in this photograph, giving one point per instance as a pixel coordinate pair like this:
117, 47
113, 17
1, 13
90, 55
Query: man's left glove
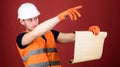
94, 29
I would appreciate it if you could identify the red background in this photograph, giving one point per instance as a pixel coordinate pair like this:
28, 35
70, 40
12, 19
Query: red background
103, 13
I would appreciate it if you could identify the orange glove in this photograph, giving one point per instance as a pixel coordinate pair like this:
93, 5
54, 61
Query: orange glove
94, 29
72, 13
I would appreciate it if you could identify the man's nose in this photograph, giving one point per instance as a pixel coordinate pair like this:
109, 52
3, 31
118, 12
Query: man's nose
34, 21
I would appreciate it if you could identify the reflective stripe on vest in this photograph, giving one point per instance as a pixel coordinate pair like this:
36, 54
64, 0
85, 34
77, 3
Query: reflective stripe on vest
38, 51
45, 64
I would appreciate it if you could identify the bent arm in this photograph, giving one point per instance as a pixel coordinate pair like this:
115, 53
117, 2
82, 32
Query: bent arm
39, 30
69, 37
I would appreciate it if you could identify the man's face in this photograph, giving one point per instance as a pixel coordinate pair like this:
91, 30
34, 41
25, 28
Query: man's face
30, 23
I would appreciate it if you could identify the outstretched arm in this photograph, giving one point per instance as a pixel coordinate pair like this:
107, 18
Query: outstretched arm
45, 26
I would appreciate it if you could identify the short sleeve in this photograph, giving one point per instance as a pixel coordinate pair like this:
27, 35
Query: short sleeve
19, 40
55, 33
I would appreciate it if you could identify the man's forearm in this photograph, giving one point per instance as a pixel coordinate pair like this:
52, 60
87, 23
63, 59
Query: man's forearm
46, 26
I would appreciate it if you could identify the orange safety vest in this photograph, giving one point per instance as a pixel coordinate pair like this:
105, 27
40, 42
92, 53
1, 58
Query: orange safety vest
41, 53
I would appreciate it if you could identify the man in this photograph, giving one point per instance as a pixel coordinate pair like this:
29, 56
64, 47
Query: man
37, 44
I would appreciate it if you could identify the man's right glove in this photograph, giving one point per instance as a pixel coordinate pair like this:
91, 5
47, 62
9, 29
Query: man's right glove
72, 13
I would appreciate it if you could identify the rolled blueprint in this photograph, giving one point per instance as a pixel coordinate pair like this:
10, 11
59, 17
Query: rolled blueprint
88, 46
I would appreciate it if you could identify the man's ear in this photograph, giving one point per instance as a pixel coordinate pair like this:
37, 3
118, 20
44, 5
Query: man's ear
22, 22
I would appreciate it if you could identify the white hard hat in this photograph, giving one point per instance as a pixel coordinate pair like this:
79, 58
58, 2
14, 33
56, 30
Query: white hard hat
27, 10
